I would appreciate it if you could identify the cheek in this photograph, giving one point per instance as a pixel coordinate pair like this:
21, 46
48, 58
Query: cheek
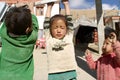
64, 31
53, 32
109, 48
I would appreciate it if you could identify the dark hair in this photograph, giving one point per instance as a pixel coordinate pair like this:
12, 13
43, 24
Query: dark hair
18, 19
108, 30
57, 17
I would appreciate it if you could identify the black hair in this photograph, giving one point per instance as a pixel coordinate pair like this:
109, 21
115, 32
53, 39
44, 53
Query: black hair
108, 30
18, 19
57, 17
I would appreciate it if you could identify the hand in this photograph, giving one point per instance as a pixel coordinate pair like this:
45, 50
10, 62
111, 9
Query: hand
65, 2
113, 37
87, 53
50, 4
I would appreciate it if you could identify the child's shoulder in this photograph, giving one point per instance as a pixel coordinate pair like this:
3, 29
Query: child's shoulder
1, 25
35, 21
34, 16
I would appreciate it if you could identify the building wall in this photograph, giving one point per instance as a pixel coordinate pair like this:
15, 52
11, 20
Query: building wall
75, 12
91, 14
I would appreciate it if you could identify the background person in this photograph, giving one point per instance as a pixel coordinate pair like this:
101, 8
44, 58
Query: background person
108, 65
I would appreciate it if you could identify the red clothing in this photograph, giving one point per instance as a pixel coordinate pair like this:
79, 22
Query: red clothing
107, 66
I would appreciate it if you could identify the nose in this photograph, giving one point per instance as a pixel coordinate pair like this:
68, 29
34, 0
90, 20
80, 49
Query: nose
58, 30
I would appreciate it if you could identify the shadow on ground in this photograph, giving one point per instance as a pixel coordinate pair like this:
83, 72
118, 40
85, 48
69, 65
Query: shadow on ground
79, 52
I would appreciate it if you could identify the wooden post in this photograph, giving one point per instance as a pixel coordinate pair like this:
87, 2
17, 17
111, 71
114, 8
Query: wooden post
100, 24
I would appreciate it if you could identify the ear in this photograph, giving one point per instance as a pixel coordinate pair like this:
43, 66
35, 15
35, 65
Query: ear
28, 30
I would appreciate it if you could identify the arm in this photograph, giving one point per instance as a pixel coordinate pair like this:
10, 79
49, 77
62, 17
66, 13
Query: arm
35, 22
67, 7
116, 48
68, 14
91, 63
48, 15
49, 9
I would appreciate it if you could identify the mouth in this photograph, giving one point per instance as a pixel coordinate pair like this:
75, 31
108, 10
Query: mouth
59, 35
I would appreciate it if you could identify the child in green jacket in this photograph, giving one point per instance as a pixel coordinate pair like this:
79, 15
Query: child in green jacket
18, 34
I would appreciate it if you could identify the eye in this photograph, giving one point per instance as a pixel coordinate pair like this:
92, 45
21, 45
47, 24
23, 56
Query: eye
107, 43
62, 27
55, 27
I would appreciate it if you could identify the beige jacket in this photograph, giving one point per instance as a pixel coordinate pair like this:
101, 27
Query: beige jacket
60, 53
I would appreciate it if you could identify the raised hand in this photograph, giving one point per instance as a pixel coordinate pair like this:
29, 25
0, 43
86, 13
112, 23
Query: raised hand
113, 37
50, 4
87, 53
65, 1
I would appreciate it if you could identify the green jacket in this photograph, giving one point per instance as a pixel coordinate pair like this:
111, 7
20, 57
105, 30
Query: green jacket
16, 57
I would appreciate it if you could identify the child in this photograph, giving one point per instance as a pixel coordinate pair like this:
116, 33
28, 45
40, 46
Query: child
108, 65
18, 34
59, 45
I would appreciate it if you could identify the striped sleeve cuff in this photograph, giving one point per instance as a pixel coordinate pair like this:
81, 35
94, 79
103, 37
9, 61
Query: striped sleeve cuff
69, 20
47, 23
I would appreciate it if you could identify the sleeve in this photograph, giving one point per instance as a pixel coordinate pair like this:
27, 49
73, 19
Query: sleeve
70, 22
35, 22
116, 48
91, 63
46, 24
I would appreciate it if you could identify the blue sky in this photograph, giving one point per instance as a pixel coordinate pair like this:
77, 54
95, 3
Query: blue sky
90, 4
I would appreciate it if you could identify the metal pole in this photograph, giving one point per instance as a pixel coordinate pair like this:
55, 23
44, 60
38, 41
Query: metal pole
100, 24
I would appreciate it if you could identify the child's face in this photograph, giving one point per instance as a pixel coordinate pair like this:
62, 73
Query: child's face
107, 47
58, 29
